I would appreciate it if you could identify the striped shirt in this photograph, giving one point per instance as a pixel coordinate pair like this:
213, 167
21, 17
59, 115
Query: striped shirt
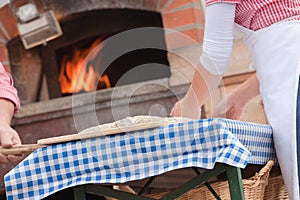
7, 90
257, 14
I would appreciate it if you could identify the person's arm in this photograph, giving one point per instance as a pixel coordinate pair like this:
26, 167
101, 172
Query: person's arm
217, 47
9, 104
8, 136
199, 90
233, 104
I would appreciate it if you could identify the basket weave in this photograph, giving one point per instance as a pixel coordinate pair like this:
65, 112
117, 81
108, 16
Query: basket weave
276, 189
254, 188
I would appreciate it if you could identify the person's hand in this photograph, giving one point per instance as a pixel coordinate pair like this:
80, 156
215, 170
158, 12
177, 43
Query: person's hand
184, 109
8, 138
176, 110
231, 107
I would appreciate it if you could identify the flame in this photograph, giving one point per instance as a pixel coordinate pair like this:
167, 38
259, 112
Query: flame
105, 80
76, 76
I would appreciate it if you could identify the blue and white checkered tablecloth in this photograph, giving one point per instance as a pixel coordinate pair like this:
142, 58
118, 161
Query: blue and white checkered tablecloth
139, 154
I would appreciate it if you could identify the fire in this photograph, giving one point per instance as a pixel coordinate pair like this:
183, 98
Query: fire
75, 76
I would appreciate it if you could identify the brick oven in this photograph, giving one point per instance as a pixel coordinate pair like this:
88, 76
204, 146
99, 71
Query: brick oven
164, 68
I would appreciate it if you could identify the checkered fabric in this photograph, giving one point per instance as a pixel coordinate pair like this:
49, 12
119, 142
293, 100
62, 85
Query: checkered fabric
257, 138
137, 155
258, 14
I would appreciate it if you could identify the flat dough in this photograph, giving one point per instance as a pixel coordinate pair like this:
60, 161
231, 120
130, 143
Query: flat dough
139, 120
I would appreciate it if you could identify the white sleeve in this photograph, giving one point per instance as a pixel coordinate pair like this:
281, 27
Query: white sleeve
218, 37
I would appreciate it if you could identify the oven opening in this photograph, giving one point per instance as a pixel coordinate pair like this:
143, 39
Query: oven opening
69, 65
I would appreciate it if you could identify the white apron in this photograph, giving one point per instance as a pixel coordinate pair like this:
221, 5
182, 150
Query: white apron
275, 53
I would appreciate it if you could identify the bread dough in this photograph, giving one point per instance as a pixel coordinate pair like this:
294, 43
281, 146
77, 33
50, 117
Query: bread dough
138, 120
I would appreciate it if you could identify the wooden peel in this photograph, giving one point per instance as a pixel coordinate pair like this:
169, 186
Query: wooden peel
20, 149
73, 137
29, 148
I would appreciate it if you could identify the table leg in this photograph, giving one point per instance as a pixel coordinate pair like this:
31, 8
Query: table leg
234, 177
79, 193
233, 174
195, 182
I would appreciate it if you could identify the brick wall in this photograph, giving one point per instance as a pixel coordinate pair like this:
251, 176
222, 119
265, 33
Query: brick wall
8, 30
184, 16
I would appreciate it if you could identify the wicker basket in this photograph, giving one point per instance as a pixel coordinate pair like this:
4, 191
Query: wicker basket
254, 188
276, 189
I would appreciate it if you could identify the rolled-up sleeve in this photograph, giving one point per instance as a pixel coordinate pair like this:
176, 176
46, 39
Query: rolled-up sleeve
7, 89
218, 37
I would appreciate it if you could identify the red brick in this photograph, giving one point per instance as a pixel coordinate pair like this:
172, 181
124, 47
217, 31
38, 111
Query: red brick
182, 18
7, 68
3, 53
4, 59
196, 2
3, 37
199, 16
176, 4
162, 4
190, 37
8, 21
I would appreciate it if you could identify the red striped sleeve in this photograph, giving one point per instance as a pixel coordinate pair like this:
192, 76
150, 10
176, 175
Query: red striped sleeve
7, 90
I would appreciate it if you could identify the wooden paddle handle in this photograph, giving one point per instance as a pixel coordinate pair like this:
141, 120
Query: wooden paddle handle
20, 149
73, 137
